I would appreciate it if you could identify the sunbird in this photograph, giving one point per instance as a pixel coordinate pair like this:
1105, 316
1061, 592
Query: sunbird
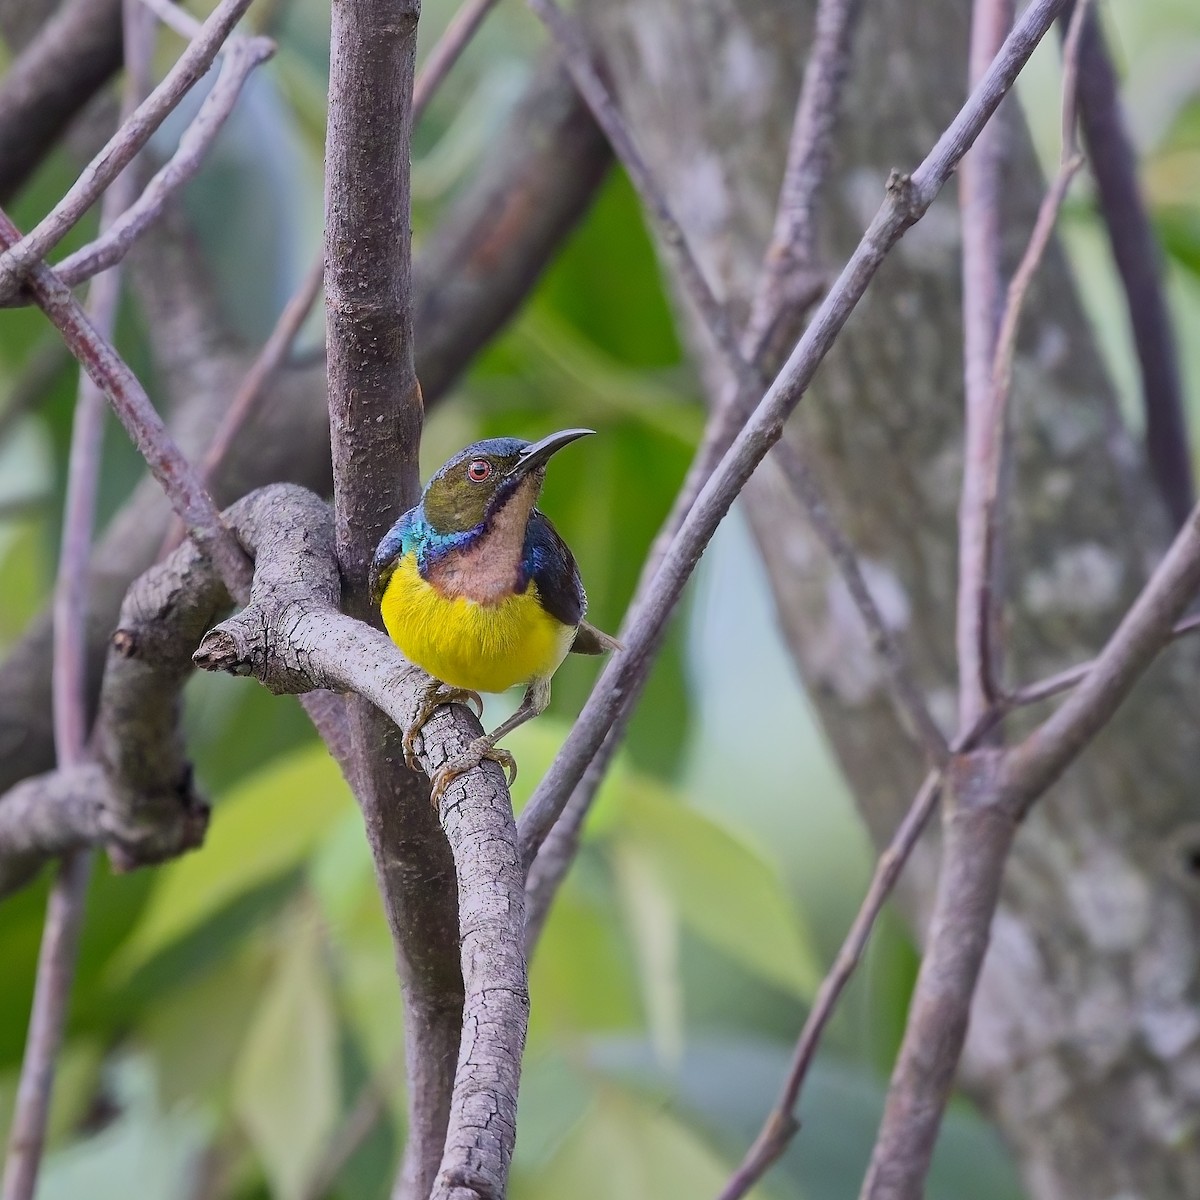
477, 588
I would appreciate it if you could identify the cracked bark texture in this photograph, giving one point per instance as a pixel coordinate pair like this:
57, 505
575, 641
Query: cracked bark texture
1085, 1034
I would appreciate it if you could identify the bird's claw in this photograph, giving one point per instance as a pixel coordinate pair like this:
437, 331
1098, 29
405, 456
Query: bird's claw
433, 697
470, 758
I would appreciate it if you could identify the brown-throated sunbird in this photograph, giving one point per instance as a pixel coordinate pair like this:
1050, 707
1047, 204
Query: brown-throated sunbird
476, 587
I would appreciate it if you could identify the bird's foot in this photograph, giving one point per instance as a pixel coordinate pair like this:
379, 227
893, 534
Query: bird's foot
470, 758
433, 696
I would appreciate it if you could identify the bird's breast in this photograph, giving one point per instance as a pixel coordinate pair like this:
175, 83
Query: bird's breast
468, 643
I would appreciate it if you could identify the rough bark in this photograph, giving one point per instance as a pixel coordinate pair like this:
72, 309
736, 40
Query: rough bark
375, 417
1085, 1038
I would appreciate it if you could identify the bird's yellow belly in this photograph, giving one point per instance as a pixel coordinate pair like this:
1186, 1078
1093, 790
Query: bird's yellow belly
484, 647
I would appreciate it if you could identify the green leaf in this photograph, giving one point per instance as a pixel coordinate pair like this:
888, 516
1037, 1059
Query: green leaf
222, 1003
726, 892
726, 1084
581, 976
286, 1083
267, 826
625, 1147
653, 923
144, 1152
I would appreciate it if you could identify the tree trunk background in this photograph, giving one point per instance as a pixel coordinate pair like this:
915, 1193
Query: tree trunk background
1085, 1034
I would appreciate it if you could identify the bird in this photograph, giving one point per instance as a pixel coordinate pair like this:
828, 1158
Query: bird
477, 588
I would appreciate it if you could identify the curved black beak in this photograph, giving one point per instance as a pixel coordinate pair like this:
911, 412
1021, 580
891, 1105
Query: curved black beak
536, 455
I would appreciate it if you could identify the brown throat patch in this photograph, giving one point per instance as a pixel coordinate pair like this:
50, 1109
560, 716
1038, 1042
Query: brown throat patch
488, 570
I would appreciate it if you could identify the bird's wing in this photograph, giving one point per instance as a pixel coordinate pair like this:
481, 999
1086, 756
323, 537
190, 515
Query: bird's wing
548, 561
387, 554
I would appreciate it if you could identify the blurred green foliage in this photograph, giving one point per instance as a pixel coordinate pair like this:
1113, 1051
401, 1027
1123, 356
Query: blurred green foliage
232, 1007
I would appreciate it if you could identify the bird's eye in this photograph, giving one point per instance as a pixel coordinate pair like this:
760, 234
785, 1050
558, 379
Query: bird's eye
479, 470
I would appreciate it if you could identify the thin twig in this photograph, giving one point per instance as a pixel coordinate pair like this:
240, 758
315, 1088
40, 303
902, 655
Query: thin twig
241, 57
19, 257
64, 913
979, 588
139, 417
446, 52
1064, 681
577, 59
907, 200
905, 692
174, 17
783, 295
52, 988
1149, 625
270, 359
364, 1116
437, 66
781, 1124
62, 66
1113, 163
789, 280
980, 186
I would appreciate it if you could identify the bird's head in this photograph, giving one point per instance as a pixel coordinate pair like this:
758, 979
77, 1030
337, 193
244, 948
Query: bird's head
490, 477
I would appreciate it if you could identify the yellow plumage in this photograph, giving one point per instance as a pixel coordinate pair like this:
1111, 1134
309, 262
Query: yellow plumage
482, 647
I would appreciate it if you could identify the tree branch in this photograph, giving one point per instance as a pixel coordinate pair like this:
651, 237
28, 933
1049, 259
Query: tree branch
907, 199
781, 1124
375, 415
462, 28
1030, 767
20, 256
65, 64
279, 343
577, 59
1138, 260
241, 56
785, 291
135, 412
977, 834
293, 637
980, 184
64, 914
477, 268
140, 805
980, 575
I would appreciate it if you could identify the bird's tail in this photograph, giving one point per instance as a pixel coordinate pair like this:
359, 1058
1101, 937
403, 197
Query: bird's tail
590, 640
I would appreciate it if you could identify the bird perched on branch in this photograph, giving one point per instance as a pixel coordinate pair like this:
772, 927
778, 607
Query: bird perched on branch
476, 587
